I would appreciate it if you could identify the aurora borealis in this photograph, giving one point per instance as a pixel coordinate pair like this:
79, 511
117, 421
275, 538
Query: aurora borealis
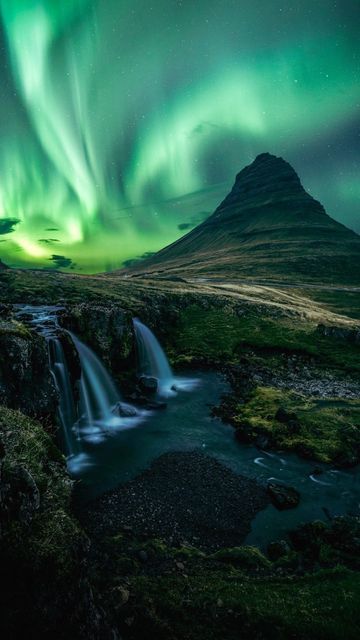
123, 124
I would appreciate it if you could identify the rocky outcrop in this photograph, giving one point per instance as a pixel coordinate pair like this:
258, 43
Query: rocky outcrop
43, 551
283, 497
107, 330
351, 335
25, 379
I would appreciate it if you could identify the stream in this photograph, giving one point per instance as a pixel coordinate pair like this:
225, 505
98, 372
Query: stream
127, 446
186, 425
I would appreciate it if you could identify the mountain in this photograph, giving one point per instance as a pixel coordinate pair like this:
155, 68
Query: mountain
267, 227
3, 265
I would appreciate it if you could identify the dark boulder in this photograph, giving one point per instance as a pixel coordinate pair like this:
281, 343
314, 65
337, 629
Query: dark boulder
124, 410
148, 384
283, 497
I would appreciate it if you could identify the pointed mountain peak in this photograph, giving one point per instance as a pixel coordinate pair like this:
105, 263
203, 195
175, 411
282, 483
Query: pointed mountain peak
268, 179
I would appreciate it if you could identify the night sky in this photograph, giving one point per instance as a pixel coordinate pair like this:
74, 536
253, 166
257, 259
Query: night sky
123, 123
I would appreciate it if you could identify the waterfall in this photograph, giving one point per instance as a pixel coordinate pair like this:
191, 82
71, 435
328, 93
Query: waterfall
92, 408
152, 359
97, 390
101, 410
67, 409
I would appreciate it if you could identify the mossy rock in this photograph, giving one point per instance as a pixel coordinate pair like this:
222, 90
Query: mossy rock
246, 557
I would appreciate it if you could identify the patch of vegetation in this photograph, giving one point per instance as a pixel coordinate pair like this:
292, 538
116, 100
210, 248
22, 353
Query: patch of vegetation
11, 327
326, 430
219, 335
48, 534
212, 605
248, 558
27, 444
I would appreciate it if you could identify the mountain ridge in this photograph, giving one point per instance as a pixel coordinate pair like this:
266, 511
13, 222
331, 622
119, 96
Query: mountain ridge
267, 226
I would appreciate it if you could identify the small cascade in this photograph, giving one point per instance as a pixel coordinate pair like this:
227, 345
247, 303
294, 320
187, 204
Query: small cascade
67, 409
151, 357
90, 409
98, 393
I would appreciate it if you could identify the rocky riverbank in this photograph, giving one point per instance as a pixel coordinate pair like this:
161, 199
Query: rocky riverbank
184, 498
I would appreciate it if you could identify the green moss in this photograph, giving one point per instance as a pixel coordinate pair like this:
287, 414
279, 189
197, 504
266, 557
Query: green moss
53, 536
220, 334
213, 606
27, 444
13, 328
327, 431
247, 558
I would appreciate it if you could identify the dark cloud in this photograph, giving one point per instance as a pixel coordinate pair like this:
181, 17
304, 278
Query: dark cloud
7, 225
52, 229
131, 262
61, 262
48, 240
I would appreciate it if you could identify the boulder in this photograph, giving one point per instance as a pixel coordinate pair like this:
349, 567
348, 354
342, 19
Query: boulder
148, 384
124, 410
283, 497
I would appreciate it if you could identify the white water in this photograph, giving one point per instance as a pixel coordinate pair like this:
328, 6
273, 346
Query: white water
67, 409
152, 361
86, 409
98, 396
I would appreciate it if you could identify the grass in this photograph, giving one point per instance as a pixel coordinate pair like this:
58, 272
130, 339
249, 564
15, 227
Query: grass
222, 335
53, 534
216, 605
328, 431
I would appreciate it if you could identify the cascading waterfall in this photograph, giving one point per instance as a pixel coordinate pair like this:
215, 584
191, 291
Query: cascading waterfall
92, 408
67, 408
98, 393
152, 359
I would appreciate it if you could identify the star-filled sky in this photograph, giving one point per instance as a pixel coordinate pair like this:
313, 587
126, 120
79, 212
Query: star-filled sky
123, 123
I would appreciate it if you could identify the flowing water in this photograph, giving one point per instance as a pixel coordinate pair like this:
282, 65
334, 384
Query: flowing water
88, 409
113, 450
152, 360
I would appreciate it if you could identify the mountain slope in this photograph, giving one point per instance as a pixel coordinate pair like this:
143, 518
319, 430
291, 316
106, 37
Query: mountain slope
267, 227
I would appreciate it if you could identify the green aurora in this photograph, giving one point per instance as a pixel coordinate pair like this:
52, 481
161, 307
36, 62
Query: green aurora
123, 124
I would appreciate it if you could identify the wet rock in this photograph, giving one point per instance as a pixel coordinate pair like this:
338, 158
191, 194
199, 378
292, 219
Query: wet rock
106, 329
123, 410
148, 384
26, 383
283, 497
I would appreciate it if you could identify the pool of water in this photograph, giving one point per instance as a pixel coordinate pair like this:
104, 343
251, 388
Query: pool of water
184, 425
